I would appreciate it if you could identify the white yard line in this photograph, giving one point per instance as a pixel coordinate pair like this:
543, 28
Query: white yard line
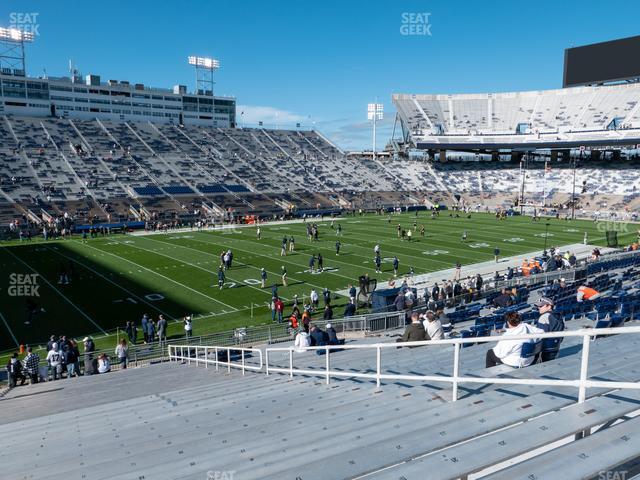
281, 259
278, 275
56, 290
211, 272
9, 330
163, 276
113, 283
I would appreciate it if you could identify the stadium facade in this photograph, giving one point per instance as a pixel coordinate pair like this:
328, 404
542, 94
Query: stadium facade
599, 108
597, 116
91, 98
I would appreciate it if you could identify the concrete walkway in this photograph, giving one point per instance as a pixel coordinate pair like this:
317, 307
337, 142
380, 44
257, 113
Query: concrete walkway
488, 268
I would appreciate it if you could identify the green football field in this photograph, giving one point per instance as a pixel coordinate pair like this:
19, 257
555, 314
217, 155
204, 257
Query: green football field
118, 278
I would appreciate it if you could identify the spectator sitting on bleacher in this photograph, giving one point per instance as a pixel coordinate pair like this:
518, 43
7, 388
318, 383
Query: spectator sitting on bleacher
333, 336
432, 326
104, 364
586, 293
302, 340
414, 331
508, 351
503, 300
548, 322
318, 337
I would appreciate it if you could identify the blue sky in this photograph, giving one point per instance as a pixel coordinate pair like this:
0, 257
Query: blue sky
320, 62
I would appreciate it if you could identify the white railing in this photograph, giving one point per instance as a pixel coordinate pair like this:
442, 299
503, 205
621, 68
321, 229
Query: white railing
582, 383
199, 354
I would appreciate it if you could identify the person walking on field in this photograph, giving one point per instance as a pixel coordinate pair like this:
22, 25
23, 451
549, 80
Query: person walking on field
221, 277
263, 278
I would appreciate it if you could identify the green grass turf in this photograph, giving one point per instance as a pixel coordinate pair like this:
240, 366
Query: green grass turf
118, 278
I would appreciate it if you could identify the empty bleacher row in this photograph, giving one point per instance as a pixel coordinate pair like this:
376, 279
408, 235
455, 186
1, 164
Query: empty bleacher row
560, 112
166, 422
172, 421
48, 163
101, 169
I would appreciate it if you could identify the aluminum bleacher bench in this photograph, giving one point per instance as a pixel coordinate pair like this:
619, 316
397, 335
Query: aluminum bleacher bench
484, 452
589, 457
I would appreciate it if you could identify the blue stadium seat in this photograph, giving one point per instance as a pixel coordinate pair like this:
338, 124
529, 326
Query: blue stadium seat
530, 350
467, 334
617, 320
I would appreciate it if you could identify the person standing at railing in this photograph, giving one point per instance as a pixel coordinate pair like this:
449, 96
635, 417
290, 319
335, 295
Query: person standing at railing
508, 351
314, 299
32, 365
162, 329
89, 348
122, 352
151, 331
143, 323
188, 327
129, 330
54, 358
306, 318
328, 312
279, 308
349, 309
70, 355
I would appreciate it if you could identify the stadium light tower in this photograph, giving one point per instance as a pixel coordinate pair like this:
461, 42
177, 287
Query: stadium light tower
205, 67
374, 113
12, 56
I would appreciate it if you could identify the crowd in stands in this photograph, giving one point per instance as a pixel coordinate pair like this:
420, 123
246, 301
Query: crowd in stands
63, 360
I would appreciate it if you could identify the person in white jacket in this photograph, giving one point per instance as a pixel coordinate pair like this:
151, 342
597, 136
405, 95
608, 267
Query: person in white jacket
508, 351
432, 326
302, 340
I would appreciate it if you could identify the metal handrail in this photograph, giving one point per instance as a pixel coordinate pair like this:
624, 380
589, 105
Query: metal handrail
582, 383
177, 352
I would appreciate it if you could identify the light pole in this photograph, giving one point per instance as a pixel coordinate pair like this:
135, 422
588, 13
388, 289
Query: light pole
523, 173
573, 194
546, 235
374, 113
204, 66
